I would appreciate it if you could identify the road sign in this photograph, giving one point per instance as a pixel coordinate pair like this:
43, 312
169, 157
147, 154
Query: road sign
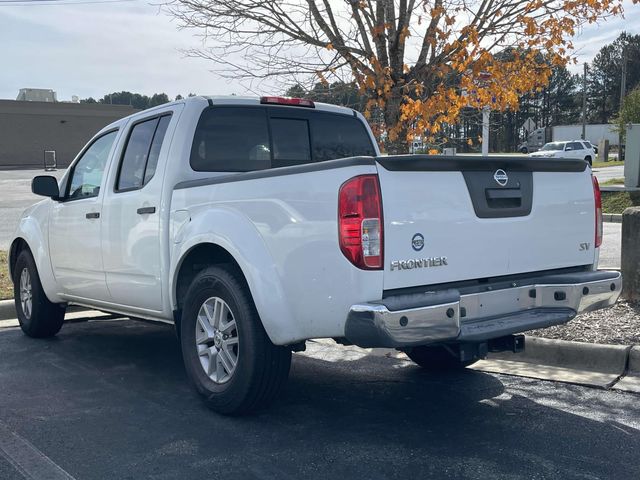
529, 125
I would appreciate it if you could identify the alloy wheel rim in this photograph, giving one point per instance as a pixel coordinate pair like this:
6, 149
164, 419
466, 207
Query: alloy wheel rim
26, 293
217, 340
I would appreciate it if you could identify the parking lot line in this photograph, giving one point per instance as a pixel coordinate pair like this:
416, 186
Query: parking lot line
27, 459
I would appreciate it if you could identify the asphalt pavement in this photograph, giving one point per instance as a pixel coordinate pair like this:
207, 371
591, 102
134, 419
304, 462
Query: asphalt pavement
607, 173
110, 399
15, 197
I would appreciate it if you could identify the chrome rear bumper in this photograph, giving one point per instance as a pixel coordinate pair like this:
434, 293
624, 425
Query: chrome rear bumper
448, 316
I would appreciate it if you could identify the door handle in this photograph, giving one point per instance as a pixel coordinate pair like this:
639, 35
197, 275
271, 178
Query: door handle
93, 215
146, 210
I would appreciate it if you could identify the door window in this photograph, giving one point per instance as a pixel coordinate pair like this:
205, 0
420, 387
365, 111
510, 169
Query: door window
87, 173
575, 146
141, 153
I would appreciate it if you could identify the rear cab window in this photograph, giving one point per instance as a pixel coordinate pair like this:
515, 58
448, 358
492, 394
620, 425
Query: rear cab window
339, 136
231, 139
291, 141
248, 138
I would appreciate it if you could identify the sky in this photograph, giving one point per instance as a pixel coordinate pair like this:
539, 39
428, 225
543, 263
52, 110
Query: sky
96, 48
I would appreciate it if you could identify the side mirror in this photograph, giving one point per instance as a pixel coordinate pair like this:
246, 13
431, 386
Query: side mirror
568, 148
45, 185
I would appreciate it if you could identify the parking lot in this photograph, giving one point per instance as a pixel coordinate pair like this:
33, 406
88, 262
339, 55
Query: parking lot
609, 173
109, 399
15, 186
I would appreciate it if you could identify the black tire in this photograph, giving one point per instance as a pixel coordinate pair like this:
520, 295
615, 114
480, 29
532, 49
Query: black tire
524, 150
588, 159
437, 359
262, 368
45, 318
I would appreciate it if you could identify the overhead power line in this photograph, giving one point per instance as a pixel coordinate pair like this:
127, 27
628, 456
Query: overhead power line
34, 3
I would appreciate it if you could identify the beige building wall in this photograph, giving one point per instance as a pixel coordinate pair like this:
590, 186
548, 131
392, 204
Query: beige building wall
27, 129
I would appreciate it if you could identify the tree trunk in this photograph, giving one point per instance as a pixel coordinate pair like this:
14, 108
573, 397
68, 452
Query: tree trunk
391, 119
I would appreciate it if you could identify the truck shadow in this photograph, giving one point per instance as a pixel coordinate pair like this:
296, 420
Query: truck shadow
115, 397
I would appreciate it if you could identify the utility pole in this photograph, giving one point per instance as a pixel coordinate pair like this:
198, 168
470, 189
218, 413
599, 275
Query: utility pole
623, 91
584, 103
623, 80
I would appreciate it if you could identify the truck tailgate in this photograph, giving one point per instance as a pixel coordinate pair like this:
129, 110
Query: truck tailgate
459, 218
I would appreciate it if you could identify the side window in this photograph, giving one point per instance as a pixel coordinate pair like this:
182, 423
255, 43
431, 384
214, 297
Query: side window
87, 173
156, 144
575, 146
140, 158
291, 144
231, 139
339, 136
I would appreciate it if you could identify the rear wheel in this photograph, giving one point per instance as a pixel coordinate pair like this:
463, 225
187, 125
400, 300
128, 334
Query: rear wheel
438, 358
38, 317
226, 351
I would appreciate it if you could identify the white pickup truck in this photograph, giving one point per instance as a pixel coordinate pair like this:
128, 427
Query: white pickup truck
256, 224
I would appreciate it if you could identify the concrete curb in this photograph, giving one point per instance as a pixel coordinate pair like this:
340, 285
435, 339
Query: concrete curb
631, 381
71, 317
580, 363
7, 309
612, 217
618, 188
563, 361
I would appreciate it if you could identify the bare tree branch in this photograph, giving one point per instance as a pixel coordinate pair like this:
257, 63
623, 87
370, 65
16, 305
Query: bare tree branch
418, 62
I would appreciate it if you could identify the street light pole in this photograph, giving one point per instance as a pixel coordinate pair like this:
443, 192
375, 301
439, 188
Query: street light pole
482, 81
584, 103
486, 111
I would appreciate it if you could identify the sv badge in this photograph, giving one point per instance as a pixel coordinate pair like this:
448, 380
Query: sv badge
585, 246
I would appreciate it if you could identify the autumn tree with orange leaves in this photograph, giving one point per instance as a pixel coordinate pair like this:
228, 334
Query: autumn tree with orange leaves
419, 63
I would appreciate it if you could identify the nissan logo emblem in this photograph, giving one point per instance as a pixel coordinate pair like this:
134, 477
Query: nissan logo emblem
501, 177
417, 242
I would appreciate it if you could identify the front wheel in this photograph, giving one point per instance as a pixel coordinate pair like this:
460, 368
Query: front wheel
226, 351
38, 317
437, 358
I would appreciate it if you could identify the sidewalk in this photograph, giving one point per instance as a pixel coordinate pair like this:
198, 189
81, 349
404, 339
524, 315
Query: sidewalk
610, 251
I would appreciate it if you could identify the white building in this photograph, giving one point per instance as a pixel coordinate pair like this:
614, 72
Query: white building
37, 95
594, 133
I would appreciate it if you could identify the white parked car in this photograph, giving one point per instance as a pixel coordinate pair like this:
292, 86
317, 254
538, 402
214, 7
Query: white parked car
580, 149
241, 222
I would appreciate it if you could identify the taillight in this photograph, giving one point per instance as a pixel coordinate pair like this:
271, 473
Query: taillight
598, 205
296, 102
360, 222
